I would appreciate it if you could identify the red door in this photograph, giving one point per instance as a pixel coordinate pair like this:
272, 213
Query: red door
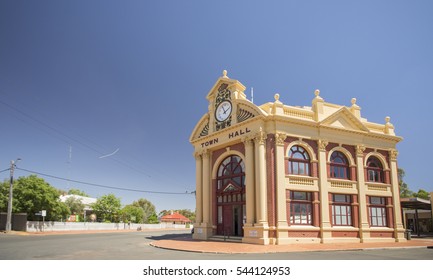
228, 220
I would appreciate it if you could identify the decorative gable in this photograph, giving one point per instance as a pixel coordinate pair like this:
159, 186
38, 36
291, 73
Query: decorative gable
231, 188
344, 119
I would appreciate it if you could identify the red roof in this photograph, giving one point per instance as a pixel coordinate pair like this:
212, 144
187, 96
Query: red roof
175, 217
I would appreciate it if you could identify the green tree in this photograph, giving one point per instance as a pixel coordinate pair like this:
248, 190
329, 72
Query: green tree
187, 213
31, 195
153, 219
131, 213
404, 189
422, 194
78, 192
75, 205
107, 208
147, 206
4, 195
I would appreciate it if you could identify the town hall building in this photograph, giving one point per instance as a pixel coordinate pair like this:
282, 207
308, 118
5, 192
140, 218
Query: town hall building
280, 174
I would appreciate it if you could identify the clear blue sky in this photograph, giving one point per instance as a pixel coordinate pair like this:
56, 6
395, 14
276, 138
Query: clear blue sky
133, 75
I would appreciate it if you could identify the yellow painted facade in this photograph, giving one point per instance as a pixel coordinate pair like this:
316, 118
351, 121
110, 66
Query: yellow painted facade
267, 202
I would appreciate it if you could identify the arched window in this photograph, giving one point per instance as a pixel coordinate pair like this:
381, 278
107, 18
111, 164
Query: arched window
231, 172
299, 161
374, 170
339, 166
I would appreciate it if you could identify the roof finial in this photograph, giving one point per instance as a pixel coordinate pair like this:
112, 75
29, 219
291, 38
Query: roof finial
225, 74
317, 92
353, 101
388, 119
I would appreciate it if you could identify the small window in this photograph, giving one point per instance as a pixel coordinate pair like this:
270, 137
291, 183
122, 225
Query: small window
377, 211
299, 161
339, 166
341, 210
301, 208
374, 170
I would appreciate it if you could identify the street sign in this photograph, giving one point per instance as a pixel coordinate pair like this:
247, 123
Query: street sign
44, 213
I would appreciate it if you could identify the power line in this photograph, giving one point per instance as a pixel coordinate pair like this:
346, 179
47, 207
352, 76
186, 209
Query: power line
73, 139
7, 169
99, 185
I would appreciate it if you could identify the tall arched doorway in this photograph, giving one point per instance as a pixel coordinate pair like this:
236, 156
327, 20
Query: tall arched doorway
230, 196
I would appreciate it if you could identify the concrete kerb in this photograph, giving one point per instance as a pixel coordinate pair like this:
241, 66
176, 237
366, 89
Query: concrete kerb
242, 248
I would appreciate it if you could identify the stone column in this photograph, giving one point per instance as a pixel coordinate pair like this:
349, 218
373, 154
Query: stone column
198, 189
206, 189
249, 182
362, 199
398, 224
281, 182
325, 225
261, 194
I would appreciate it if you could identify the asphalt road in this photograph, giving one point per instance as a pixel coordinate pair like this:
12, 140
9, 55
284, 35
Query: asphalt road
135, 246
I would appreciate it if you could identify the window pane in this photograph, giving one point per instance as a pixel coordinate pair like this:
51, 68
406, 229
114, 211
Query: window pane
338, 220
301, 169
340, 198
343, 220
295, 168
375, 200
300, 195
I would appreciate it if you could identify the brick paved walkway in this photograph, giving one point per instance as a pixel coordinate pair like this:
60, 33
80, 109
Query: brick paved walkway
188, 244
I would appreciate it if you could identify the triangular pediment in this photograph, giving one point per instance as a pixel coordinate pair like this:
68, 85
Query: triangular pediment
344, 119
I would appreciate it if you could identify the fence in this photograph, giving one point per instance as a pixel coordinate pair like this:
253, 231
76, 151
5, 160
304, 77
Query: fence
18, 221
68, 226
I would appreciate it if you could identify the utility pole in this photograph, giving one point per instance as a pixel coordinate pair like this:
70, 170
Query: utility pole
9, 214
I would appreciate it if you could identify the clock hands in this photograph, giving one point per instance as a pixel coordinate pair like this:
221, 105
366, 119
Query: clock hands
225, 110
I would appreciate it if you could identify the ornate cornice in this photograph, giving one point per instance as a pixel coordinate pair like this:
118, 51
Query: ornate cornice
322, 144
280, 138
248, 141
393, 154
260, 137
197, 155
205, 154
360, 150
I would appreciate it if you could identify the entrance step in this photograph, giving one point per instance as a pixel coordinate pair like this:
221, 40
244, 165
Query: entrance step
221, 238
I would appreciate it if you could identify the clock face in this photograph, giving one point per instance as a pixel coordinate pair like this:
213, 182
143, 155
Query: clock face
223, 111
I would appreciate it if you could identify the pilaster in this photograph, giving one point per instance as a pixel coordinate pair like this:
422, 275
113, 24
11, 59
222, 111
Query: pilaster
261, 198
398, 224
206, 225
199, 188
364, 234
282, 225
249, 182
325, 226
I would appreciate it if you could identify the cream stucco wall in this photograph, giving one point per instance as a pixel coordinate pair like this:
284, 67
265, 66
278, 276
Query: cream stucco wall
267, 132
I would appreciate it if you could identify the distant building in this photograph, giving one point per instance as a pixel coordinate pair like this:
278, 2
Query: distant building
280, 174
87, 201
175, 218
418, 214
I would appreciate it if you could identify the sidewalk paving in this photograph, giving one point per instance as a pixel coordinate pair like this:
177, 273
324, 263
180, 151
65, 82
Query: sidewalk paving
188, 244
